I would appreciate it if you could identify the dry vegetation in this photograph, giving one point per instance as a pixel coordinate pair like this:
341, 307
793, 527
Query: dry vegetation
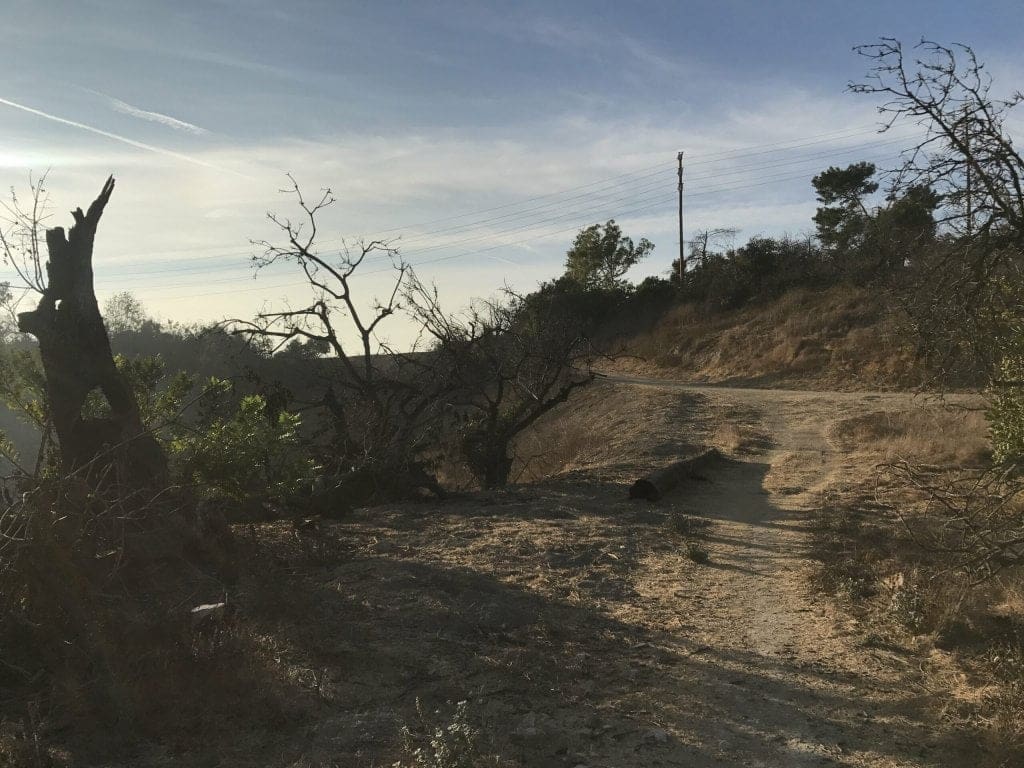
953, 436
839, 338
603, 429
897, 563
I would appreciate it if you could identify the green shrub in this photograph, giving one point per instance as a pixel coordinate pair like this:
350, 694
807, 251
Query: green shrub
250, 452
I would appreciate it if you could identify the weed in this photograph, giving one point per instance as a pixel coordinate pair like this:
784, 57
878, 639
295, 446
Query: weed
450, 746
906, 606
697, 553
856, 587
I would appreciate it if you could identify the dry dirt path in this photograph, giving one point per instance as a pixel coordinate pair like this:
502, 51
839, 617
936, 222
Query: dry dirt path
787, 681
573, 620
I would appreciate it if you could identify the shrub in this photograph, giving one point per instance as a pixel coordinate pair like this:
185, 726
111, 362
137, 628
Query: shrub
251, 452
450, 746
697, 553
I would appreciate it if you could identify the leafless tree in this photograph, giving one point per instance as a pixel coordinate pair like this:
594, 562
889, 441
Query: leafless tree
980, 516
967, 295
372, 399
966, 298
965, 154
503, 363
707, 240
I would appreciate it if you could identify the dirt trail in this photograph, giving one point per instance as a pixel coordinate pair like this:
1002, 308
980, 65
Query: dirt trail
790, 683
573, 620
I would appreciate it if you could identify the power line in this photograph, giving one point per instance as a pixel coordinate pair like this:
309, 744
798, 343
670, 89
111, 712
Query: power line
605, 196
640, 188
647, 192
417, 264
715, 157
821, 138
660, 202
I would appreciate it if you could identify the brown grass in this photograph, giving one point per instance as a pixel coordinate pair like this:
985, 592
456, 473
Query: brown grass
598, 429
952, 437
840, 338
882, 551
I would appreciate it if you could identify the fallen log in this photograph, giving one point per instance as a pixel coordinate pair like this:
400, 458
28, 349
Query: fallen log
661, 481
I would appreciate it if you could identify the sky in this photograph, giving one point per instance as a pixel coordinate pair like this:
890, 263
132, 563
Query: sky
477, 138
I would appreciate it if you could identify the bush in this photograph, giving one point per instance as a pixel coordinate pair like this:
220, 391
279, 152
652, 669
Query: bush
697, 553
250, 453
762, 269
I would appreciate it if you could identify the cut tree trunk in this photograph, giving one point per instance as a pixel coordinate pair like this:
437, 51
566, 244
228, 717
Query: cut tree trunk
77, 360
658, 483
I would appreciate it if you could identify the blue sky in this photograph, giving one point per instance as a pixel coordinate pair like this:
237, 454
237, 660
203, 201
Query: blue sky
526, 121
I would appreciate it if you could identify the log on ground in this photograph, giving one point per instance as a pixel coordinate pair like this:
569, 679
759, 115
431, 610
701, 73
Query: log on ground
655, 485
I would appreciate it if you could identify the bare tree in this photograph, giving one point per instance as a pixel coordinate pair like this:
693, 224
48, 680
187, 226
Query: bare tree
707, 240
981, 532
965, 155
504, 364
73, 342
966, 298
373, 402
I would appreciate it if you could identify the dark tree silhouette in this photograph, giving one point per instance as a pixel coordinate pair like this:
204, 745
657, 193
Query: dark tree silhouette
502, 364
966, 298
77, 359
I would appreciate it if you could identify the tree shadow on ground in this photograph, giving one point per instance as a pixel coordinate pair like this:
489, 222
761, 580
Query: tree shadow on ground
529, 619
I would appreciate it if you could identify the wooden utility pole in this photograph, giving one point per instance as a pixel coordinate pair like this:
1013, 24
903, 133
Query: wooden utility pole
682, 243
970, 162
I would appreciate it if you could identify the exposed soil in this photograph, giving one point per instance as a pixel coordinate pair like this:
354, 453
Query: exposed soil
575, 622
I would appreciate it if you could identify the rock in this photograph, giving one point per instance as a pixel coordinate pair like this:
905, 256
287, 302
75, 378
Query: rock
528, 725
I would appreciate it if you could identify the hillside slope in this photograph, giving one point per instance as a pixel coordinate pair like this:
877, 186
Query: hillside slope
841, 338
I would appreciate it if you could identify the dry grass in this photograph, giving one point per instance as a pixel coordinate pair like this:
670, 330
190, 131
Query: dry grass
739, 433
886, 552
599, 429
512, 599
840, 338
951, 437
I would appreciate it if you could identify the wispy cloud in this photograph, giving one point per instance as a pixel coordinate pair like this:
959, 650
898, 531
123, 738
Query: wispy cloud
117, 137
154, 117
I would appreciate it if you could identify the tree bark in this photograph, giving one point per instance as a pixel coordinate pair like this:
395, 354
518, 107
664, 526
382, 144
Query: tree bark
77, 359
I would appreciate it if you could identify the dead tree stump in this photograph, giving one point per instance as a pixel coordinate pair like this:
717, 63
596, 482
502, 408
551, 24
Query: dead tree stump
77, 360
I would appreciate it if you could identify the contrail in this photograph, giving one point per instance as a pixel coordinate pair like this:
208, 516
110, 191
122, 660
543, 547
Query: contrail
143, 114
156, 117
122, 139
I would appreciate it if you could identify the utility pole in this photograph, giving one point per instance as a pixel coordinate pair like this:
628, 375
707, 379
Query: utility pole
970, 162
682, 243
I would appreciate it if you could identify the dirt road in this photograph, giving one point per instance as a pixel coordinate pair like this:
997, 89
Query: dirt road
786, 682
